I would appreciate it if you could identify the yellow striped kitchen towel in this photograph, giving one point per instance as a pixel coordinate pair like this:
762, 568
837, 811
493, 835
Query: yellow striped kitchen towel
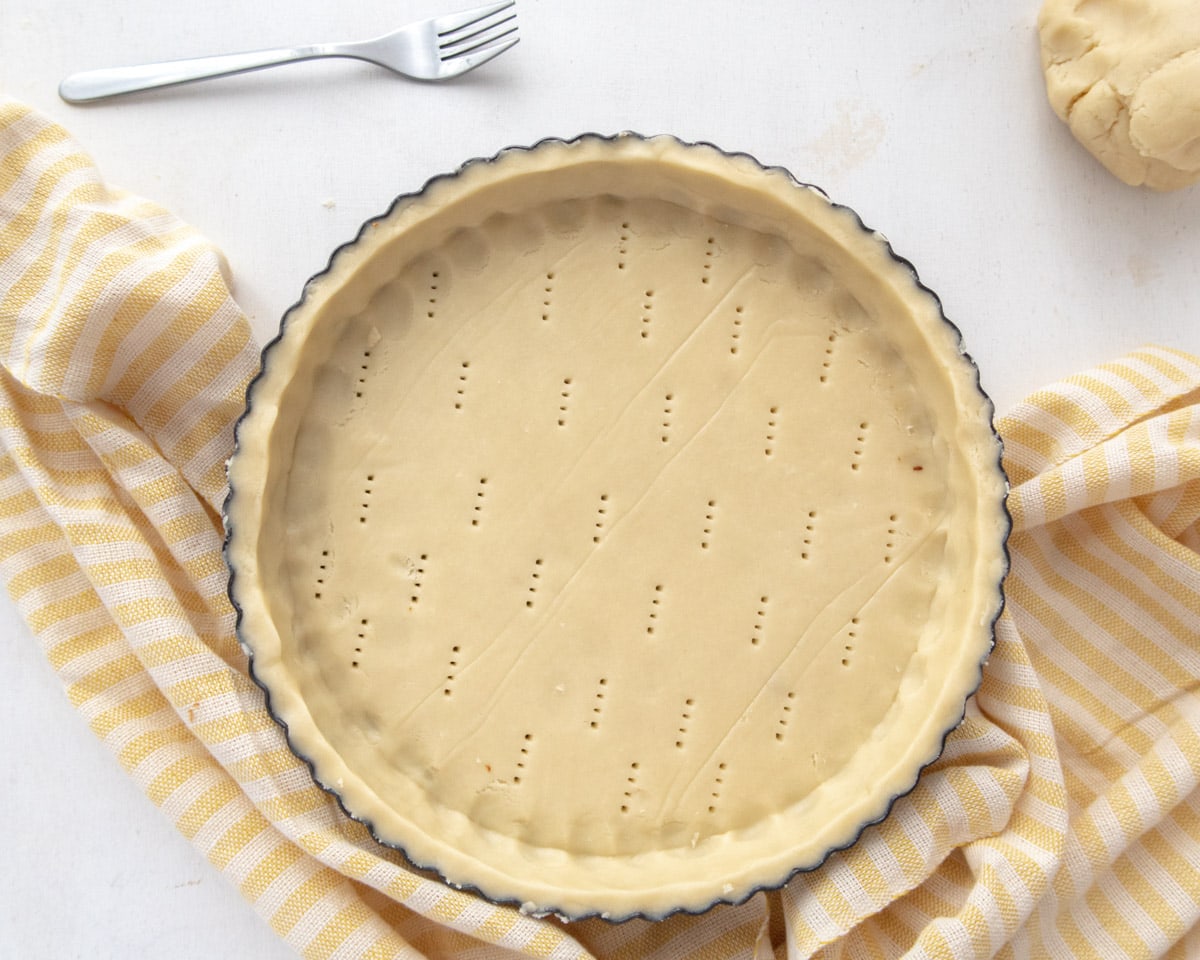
1063, 818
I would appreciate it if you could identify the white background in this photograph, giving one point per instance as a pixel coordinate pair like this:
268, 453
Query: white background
927, 116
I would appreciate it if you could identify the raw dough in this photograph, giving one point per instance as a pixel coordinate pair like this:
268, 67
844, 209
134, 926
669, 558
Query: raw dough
1125, 76
618, 527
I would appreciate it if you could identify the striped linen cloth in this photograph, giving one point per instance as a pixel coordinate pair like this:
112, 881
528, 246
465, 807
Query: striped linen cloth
1063, 818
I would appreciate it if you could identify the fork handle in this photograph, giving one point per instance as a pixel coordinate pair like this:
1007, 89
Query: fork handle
99, 84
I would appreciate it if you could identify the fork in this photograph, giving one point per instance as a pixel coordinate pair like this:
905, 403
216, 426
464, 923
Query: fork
436, 49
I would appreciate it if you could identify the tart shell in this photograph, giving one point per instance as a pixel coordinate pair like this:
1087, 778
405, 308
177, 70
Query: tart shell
594, 864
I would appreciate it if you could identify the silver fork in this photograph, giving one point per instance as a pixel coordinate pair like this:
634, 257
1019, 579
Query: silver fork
435, 49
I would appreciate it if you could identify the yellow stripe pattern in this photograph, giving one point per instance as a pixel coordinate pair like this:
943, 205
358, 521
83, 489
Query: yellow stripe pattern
1062, 819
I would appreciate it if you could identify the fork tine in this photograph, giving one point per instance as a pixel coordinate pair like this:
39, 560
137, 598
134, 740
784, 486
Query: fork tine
465, 18
482, 45
461, 38
478, 31
462, 63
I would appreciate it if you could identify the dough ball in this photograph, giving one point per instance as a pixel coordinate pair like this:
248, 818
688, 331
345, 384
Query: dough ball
1125, 76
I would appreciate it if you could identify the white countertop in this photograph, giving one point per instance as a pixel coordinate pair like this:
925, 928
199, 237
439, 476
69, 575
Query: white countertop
929, 118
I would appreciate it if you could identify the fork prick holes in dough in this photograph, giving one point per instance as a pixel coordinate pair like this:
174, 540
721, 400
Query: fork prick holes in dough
598, 703
710, 516
890, 544
452, 666
655, 607
523, 754
668, 409
362, 374
647, 314
708, 255
631, 782
772, 423
735, 334
601, 519
860, 443
417, 575
810, 528
564, 401
534, 576
360, 642
431, 299
758, 629
365, 505
460, 392
827, 360
685, 720
623, 245
522, 760
547, 290
783, 718
851, 636
321, 569
718, 782
480, 500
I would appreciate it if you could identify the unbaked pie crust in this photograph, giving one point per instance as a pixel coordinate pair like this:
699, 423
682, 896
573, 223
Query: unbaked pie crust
617, 527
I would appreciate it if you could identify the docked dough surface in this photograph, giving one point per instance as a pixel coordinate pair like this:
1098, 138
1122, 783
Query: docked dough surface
1125, 76
629, 538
